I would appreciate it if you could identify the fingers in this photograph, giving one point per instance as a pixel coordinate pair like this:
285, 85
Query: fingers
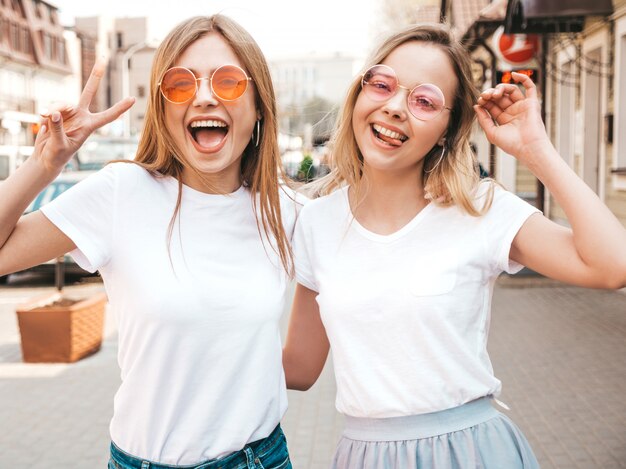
59, 107
503, 103
491, 107
529, 86
55, 123
92, 84
113, 112
503, 92
485, 120
43, 134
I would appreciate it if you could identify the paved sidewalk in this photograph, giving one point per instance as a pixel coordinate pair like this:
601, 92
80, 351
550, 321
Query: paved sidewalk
560, 352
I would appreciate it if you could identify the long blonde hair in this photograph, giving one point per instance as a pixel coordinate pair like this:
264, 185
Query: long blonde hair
454, 179
260, 165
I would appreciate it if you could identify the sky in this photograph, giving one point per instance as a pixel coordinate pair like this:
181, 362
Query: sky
283, 28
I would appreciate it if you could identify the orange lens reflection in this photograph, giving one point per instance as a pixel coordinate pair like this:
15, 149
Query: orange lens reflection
228, 83
178, 85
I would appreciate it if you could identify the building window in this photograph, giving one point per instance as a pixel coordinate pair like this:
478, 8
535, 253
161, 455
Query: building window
120, 41
53, 48
15, 37
54, 19
47, 46
566, 112
61, 50
620, 98
17, 7
141, 91
26, 46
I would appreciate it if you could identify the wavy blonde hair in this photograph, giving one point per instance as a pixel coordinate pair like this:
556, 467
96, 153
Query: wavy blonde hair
260, 165
454, 179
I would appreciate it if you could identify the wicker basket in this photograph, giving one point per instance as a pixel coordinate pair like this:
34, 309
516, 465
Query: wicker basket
53, 334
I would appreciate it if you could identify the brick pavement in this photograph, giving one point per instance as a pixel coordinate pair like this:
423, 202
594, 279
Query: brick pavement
559, 351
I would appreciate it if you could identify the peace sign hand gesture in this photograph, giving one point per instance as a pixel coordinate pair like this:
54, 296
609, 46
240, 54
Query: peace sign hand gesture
65, 128
512, 121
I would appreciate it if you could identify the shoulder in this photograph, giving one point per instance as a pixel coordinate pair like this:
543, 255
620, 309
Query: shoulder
331, 206
489, 193
291, 198
501, 203
127, 170
131, 176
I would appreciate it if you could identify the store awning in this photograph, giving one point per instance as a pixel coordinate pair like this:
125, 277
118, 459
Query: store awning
552, 16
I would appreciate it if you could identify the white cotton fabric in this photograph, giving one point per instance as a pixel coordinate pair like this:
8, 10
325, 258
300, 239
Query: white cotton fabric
407, 314
199, 344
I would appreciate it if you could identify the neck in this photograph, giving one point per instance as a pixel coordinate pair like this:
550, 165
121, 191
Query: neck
211, 183
386, 201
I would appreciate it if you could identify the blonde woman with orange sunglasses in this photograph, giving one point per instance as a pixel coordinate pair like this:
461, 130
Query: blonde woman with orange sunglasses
192, 242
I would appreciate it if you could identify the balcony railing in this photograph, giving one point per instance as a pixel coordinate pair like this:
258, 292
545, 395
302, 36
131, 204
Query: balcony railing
11, 103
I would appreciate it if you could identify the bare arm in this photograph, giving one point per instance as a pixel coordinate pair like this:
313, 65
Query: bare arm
33, 239
306, 346
593, 252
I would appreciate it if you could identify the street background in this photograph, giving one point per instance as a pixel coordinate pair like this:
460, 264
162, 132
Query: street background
559, 351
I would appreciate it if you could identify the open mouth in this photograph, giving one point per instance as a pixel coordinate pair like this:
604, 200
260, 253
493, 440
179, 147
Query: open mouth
208, 134
388, 136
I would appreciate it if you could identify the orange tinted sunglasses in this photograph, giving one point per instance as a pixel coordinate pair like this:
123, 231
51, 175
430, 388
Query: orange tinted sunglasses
228, 83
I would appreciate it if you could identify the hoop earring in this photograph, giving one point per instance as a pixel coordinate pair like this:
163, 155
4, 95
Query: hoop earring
443, 152
257, 130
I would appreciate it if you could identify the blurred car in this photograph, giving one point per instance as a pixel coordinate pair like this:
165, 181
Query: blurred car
62, 183
98, 150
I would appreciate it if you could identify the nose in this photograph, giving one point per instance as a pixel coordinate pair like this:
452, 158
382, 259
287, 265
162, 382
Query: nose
204, 94
396, 106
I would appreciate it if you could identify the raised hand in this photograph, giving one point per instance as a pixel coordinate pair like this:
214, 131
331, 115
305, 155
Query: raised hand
511, 120
65, 128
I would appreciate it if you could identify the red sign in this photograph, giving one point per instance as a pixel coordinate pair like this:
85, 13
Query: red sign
505, 77
517, 49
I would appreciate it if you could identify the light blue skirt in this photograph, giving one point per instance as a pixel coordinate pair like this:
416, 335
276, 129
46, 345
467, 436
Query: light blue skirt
471, 436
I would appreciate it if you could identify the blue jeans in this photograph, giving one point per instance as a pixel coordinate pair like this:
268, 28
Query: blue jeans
268, 453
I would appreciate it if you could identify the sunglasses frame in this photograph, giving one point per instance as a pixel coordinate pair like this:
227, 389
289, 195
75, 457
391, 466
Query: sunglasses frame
198, 80
410, 91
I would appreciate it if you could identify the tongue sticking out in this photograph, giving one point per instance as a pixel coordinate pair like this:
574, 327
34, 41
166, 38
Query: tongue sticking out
210, 137
391, 141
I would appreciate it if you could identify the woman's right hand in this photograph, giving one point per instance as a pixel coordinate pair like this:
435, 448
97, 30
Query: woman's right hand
65, 128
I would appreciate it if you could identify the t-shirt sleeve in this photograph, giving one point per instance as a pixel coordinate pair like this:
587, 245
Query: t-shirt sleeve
86, 213
502, 223
302, 247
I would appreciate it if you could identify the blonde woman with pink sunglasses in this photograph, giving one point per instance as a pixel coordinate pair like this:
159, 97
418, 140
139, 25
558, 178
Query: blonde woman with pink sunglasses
397, 260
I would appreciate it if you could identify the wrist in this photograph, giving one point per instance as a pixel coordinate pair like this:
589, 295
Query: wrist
537, 153
38, 170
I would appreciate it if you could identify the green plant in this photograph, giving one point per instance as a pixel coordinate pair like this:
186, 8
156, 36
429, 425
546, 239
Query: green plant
306, 172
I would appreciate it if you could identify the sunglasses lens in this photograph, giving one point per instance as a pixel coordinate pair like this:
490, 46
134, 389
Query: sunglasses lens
426, 102
178, 85
229, 82
379, 82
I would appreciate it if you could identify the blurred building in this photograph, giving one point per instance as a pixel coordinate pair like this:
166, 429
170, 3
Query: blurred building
309, 89
36, 69
575, 51
124, 42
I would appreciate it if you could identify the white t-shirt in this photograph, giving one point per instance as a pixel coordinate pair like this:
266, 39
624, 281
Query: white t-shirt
199, 343
407, 314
